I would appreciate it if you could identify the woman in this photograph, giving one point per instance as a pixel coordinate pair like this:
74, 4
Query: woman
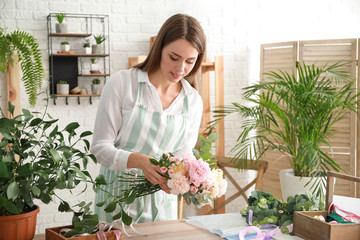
148, 110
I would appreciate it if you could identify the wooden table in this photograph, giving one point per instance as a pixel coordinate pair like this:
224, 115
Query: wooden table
164, 230
174, 230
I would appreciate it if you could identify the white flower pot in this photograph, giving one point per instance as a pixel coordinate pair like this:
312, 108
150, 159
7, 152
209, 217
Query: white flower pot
62, 89
87, 50
292, 185
96, 89
98, 49
94, 67
61, 27
65, 48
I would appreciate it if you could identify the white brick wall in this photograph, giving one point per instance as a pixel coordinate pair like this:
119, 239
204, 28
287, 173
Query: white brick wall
234, 29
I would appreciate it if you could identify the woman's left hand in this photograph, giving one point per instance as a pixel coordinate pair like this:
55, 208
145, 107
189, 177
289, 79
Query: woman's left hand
165, 187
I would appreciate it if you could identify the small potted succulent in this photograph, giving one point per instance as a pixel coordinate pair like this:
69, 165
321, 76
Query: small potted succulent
98, 48
96, 87
65, 46
87, 47
60, 27
62, 87
94, 67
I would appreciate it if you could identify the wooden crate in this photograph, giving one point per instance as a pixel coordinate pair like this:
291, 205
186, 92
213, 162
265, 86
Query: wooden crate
54, 234
307, 227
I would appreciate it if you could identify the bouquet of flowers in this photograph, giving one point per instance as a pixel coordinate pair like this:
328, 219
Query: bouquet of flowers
193, 177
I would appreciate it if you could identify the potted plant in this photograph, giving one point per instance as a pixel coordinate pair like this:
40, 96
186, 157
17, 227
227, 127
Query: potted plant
294, 115
27, 48
94, 67
87, 47
62, 87
60, 27
98, 48
65, 46
37, 157
96, 87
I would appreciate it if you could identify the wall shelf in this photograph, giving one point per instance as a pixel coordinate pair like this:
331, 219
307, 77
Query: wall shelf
55, 96
74, 66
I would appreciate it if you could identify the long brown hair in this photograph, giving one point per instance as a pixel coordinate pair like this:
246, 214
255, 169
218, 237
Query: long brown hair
178, 26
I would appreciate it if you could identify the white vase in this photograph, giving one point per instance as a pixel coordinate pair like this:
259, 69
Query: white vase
292, 185
87, 50
65, 48
62, 89
96, 89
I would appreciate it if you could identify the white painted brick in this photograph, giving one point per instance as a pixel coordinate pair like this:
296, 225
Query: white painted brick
140, 19
7, 4
126, 28
34, 25
59, 6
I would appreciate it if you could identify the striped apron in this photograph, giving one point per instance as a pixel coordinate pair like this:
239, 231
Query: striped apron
152, 133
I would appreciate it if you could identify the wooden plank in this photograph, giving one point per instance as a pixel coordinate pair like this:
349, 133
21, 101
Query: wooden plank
13, 85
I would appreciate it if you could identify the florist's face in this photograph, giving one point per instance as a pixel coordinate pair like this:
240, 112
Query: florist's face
178, 58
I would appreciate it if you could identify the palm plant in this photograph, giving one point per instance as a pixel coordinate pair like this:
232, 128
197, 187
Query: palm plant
27, 48
294, 115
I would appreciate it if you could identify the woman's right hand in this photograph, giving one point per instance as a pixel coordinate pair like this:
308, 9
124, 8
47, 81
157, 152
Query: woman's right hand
151, 171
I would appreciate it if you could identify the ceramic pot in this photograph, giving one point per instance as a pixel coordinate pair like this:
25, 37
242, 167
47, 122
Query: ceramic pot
62, 89
96, 89
65, 48
61, 27
19, 227
292, 185
88, 50
98, 49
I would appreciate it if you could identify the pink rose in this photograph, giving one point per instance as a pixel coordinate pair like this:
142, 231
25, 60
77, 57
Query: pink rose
163, 169
171, 172
199, 171
172, 159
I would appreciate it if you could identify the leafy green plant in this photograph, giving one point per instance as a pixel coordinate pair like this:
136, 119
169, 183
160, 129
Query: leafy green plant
62, 82
86, 44
294, 115
65, 43
60, 17
93, 60
268, 210
99, 38
27, 48
96, 81
37, 157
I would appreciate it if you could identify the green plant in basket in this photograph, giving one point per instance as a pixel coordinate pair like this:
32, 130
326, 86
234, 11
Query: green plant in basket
268, 210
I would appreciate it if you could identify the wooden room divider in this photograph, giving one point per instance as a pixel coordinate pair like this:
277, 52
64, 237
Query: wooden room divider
283, 56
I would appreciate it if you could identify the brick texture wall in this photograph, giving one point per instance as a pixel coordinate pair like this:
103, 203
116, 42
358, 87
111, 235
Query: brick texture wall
234, 28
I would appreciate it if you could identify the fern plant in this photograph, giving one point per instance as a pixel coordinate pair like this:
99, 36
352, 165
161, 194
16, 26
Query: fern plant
27, 48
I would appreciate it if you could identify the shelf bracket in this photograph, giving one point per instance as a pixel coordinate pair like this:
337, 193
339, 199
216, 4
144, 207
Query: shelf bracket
90, 100
78, 100
66, 100
54, 101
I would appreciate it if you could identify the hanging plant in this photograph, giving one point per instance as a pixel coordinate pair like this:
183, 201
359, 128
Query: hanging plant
27, 48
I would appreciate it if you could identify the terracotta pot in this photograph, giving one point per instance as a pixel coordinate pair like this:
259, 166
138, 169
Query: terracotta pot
18, 227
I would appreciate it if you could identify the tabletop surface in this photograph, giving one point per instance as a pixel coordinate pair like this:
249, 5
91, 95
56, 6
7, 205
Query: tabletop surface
174, 229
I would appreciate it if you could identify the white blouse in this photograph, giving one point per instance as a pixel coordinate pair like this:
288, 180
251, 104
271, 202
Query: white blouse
116, 103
